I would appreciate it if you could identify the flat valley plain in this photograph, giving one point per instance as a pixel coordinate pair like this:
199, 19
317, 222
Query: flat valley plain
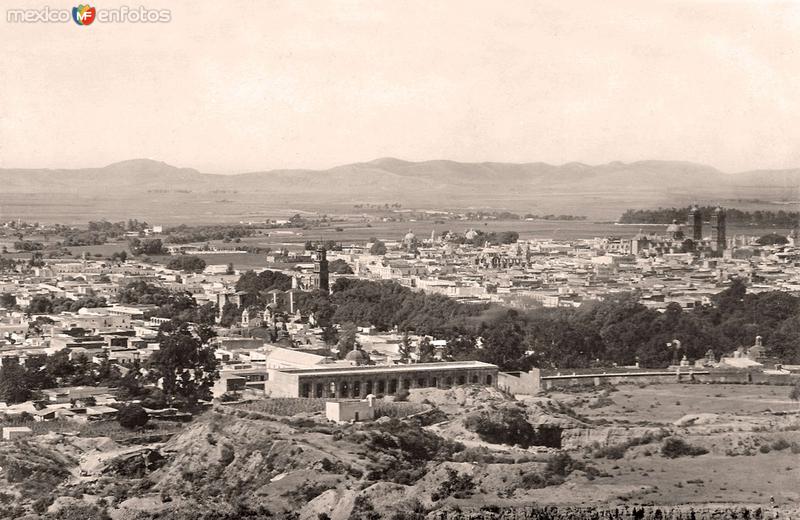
348, 230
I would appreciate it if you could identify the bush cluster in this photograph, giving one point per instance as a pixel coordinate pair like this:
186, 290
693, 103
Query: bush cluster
674, 447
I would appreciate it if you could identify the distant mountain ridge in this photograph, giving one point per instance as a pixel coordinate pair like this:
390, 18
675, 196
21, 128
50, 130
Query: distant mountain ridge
406, 180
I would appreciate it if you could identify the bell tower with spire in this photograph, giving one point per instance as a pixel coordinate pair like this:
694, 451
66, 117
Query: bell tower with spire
319, 280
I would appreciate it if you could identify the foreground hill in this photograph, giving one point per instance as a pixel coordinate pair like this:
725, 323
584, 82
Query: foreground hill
466, 449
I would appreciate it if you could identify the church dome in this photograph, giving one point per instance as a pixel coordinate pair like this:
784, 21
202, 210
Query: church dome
409, 236
357, 357
469, 235
674, 227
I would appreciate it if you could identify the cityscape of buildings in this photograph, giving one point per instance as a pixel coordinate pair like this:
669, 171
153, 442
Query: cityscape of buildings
685, 265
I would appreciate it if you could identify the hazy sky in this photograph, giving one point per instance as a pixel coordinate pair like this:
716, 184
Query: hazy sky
248, 85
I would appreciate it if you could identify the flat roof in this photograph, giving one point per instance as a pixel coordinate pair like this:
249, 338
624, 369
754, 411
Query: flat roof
382, 369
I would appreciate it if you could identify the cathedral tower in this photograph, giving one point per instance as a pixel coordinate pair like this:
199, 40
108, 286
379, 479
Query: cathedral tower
718, 239
320, 279
696, 221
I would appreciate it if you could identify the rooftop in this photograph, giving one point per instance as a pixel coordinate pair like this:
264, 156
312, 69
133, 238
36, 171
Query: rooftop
382, 369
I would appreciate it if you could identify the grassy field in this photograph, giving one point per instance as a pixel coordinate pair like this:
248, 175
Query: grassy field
724, 474
666, 403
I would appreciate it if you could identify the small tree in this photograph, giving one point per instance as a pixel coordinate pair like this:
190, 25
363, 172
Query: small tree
378, 248
405, 348
185, 363
132, 416
347, 338
426, 351
13, 384
794, 395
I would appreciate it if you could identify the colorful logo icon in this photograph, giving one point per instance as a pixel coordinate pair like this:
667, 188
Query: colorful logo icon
83, 14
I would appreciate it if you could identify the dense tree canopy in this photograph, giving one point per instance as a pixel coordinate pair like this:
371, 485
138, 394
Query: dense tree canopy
147, 246
187, 264
259, 284
772, 239
339, 266
493, 238
618, 330
41, 304
171, 304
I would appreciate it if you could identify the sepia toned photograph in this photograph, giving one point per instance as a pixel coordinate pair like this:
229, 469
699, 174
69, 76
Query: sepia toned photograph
400, 259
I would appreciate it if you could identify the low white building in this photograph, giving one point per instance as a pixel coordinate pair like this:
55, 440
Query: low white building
350, 410
12, 433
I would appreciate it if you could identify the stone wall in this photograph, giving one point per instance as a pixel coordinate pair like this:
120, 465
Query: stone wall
653, 377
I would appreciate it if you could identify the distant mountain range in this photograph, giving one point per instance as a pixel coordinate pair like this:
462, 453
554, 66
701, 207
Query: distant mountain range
397, 176
614, 185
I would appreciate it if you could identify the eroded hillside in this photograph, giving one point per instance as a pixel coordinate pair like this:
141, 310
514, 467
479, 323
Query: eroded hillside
464, 449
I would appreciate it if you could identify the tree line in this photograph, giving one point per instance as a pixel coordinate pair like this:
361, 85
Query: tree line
758, 218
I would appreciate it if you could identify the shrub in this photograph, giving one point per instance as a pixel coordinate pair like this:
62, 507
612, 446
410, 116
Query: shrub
458, 485
614, 452
308, 491
617, 451
780, 444
226, 455
41, 504
602, 402
674, 447
510, 426
80, 512
132, 416
558, 467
